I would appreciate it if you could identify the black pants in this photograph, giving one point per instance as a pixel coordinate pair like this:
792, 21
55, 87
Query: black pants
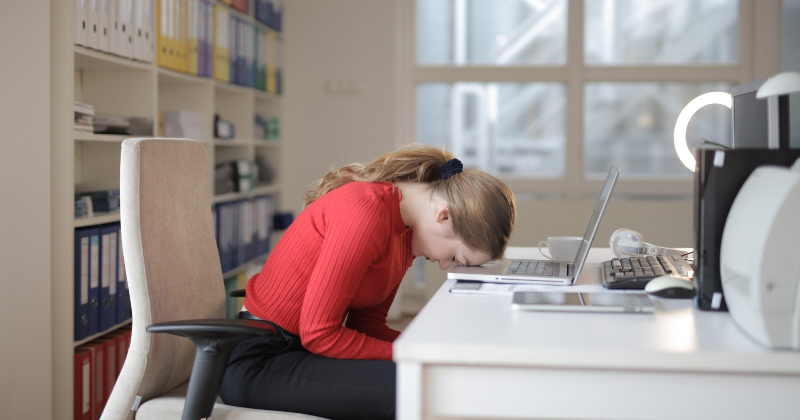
277, 373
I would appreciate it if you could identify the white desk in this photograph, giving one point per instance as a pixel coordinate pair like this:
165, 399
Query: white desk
473, 356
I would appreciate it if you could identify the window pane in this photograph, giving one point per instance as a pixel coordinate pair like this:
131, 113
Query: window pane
491, 32
631, 125
508, 129
620, 32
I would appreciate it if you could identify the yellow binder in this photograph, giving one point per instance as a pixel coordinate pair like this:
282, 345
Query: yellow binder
271, 64
170, 41
162, 19
192, 18
221, 64
184, 35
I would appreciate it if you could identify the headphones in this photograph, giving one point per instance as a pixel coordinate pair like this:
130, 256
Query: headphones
629, 243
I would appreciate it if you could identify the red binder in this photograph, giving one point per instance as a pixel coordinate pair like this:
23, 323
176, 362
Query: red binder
109, 366
83, 373
96, 352
128, 334
121, 338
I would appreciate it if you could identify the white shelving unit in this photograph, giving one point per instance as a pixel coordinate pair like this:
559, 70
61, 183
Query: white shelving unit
82, 161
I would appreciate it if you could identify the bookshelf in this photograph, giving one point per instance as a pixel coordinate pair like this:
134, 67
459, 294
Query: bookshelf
82, 161
99, 218
100, 334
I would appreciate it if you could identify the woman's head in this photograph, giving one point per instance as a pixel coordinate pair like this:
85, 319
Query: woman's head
480, 209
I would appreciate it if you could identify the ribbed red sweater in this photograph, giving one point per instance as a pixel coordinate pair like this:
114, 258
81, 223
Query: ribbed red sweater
344, 256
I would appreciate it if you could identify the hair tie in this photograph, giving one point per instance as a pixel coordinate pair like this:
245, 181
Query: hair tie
450, 168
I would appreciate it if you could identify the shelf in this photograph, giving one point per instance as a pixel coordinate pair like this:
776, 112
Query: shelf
230, 87
233, 142
261, 259
176, 77
267, 143
247, 142
100, 334
112, 138
89, 59
99, 218
265, 96
267, 189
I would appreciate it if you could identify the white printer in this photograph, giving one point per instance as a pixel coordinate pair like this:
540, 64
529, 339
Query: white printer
760, 257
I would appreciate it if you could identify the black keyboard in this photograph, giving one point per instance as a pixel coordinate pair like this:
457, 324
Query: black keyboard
535, 268
636, 272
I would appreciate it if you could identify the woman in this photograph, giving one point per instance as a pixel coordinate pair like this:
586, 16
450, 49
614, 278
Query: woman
328, 284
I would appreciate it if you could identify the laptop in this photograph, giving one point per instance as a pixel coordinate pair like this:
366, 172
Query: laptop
561, 273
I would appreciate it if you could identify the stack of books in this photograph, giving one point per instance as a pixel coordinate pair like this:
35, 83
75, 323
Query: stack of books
83, 207
266, 128
273, 129
83, 116
103, 201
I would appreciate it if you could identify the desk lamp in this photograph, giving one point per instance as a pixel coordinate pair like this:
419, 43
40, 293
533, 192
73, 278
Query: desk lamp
780, 84
681, 147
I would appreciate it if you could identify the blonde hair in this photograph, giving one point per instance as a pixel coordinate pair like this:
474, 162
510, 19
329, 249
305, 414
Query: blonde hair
482, 208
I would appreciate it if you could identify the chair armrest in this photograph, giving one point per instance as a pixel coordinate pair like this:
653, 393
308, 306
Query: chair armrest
214, 340
237, 293
216, 329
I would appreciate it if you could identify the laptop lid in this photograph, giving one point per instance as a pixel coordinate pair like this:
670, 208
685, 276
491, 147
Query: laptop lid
594, 221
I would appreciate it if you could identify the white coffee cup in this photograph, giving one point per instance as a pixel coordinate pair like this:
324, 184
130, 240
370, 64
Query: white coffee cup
562, 248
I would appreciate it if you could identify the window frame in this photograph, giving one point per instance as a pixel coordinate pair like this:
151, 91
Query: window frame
757, 26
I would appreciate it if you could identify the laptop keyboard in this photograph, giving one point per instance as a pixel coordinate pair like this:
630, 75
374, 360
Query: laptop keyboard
534, 268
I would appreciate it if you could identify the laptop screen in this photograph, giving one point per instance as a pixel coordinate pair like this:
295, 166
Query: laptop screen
594, 221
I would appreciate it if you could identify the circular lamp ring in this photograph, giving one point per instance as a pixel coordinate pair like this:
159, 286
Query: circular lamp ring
681, 147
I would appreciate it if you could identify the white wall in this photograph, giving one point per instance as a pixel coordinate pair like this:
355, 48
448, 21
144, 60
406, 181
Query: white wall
335, 41
25, 340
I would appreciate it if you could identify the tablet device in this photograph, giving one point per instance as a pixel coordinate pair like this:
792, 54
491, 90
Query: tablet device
583, 302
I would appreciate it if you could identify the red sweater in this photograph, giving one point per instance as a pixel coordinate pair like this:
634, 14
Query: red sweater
344, 255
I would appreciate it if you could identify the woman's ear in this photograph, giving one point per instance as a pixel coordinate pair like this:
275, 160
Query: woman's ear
443, 215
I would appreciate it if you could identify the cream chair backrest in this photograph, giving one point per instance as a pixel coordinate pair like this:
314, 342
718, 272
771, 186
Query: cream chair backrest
171, 261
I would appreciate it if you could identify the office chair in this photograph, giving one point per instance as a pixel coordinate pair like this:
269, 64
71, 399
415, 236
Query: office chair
176, 287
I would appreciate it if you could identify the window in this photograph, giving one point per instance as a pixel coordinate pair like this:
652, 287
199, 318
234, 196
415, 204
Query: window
661, 32
547, 94
631, 125
511, 129
491, 32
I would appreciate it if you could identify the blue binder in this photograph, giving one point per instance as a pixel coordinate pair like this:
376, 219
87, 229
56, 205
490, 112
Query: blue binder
237, 237
251, 55
122, 283
108, 280
94, 280
122, 299
81, 280
258, 249
232, 50
219, 212
240, 229
270, 212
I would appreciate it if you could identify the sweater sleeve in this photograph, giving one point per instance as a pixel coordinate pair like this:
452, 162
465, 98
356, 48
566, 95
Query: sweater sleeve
372, 321
356, 234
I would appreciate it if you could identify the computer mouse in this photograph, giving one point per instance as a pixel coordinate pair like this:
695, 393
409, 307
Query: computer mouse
670, 287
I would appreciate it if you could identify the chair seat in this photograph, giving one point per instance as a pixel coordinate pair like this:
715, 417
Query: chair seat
170, 406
